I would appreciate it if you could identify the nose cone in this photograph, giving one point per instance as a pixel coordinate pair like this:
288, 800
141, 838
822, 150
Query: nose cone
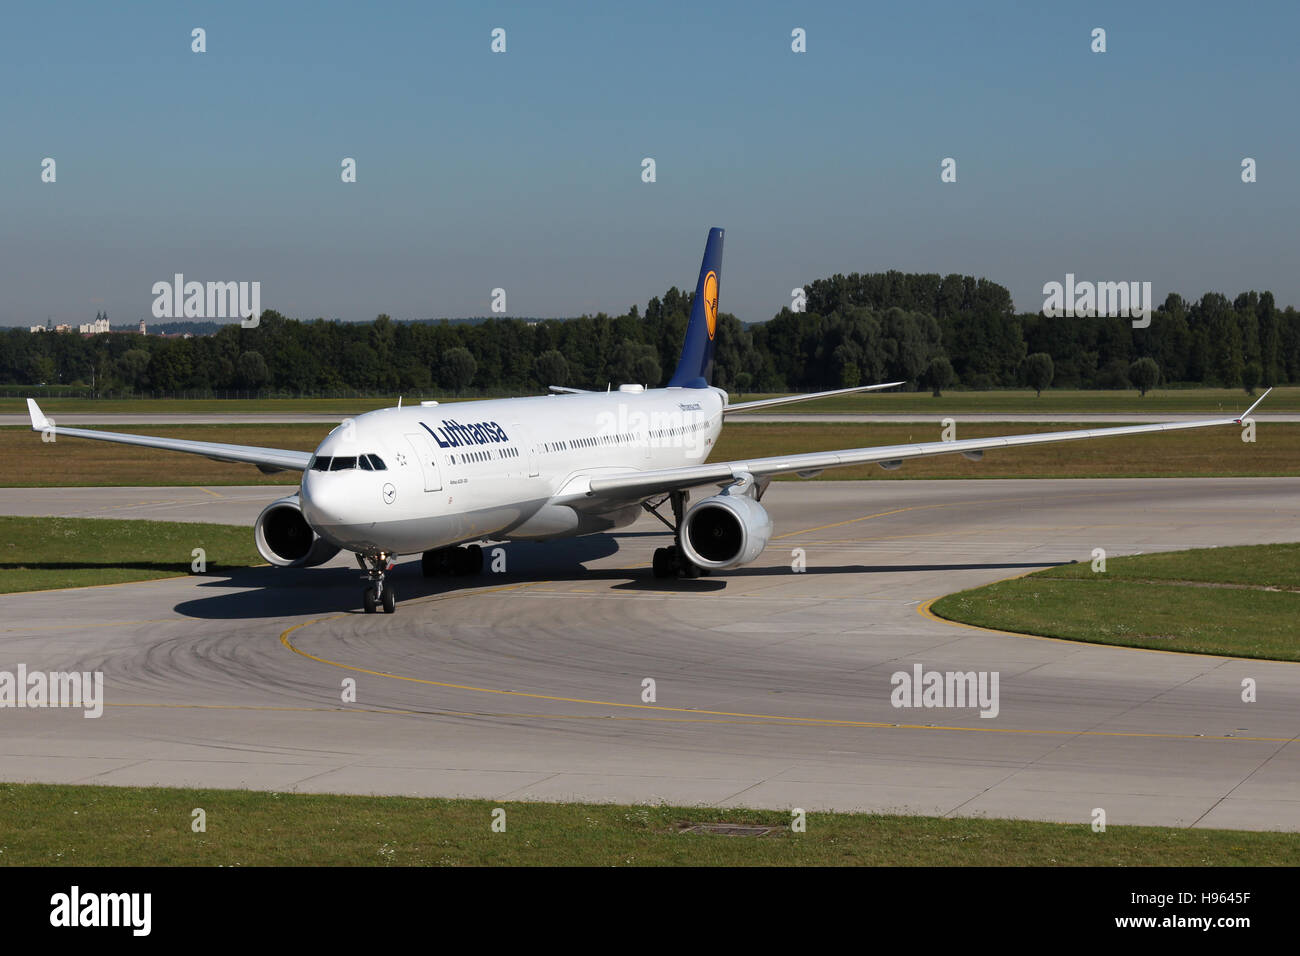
324, 500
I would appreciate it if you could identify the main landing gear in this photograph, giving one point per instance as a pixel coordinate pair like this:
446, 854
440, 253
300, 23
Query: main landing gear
461, 561
377, 593
670, 562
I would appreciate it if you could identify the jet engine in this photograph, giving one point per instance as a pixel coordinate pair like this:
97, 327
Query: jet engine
286, 539
725, 531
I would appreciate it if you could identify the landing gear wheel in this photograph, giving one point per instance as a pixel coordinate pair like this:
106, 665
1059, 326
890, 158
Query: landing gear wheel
467, 560
670, 562
376, 566
431, 564
678, 564
662, 563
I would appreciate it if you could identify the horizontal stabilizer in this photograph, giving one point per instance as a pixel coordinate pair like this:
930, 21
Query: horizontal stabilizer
812, 396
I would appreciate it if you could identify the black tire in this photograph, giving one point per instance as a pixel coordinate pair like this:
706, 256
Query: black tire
389, 600
369, 601
662, 563
467, 560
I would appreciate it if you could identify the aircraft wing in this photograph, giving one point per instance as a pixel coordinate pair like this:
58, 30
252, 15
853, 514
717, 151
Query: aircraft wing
267, 459
634, 486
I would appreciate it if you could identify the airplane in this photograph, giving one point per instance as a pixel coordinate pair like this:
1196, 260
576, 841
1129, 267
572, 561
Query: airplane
439, 479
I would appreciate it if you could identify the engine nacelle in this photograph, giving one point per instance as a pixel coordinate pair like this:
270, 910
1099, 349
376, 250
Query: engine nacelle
285, 538
725, 531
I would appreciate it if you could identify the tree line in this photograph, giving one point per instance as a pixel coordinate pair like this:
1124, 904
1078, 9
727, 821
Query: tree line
931, 331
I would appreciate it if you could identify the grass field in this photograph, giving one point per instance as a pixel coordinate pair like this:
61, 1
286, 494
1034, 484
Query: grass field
1212, 401
27, 461
41, 553
110, 826
1240, 602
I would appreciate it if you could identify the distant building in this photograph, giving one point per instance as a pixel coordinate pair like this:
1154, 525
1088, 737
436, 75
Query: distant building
64, 327
142, 331
95, 328
38, 328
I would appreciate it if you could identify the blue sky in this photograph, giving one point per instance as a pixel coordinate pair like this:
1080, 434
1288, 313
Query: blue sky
522, 170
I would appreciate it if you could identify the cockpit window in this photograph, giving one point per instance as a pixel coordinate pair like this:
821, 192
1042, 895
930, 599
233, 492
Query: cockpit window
348, 462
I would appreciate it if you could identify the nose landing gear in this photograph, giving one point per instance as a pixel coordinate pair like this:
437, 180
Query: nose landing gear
377, 592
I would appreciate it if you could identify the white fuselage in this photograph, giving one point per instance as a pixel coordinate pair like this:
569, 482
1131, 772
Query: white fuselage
472, 471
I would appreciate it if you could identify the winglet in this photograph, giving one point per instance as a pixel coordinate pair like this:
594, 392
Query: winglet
39, 421
1244, 415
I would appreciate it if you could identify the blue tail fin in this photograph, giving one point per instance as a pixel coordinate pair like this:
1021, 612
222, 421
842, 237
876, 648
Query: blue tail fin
695, 367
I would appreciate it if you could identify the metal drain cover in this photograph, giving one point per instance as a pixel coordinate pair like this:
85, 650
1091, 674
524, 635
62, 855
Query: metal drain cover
730, 829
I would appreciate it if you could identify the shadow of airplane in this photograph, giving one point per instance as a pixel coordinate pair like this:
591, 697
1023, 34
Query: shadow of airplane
266, 592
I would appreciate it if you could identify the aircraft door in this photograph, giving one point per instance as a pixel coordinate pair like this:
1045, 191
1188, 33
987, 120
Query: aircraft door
528, 448
427, 456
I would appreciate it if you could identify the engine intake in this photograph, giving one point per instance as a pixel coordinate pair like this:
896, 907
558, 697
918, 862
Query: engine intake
285, 538
725, 531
